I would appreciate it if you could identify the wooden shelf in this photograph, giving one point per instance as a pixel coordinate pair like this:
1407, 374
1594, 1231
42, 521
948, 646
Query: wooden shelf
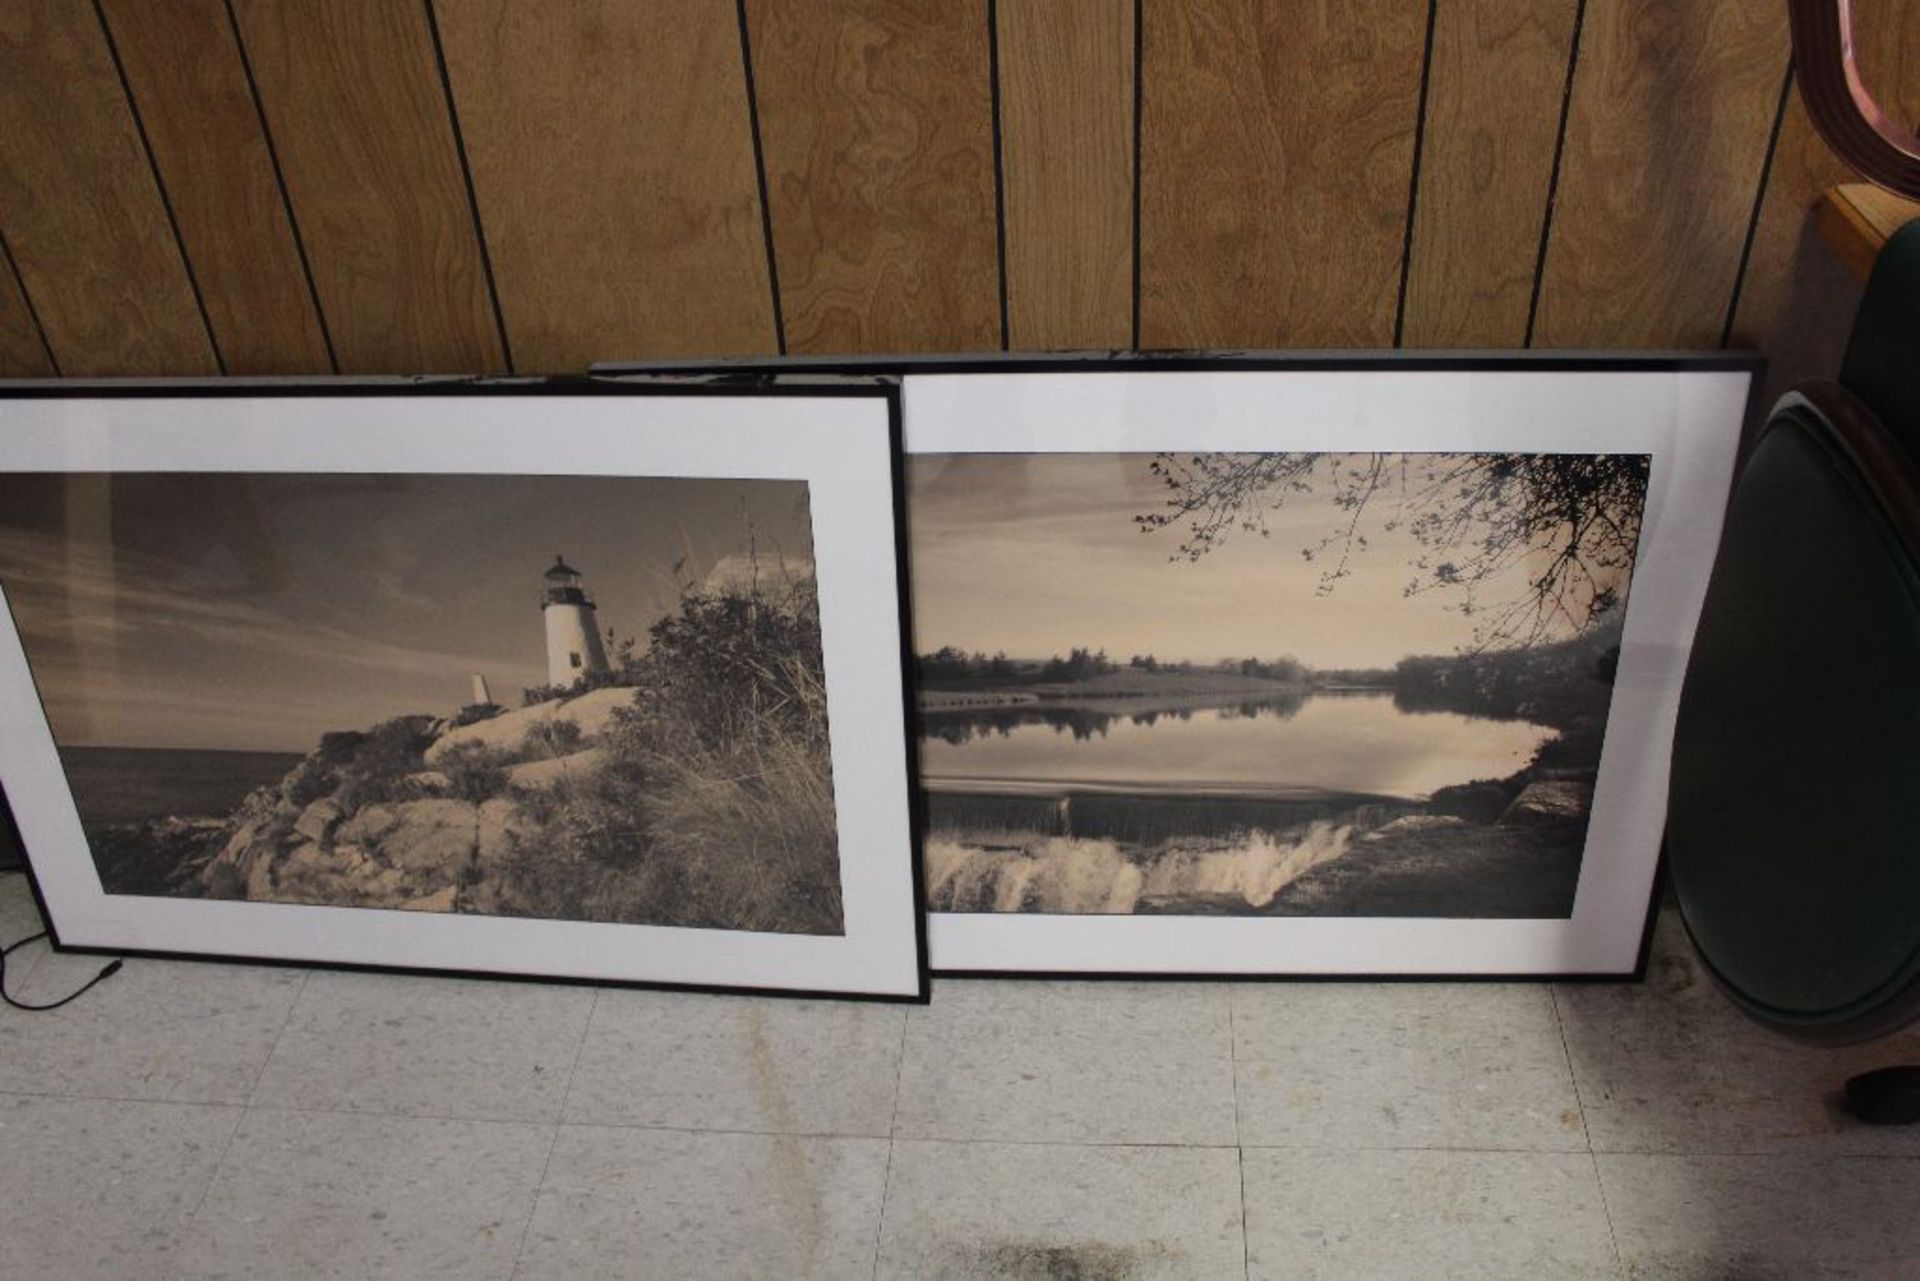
1855, 219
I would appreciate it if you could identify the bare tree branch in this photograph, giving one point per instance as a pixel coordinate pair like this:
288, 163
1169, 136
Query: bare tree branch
1476, 517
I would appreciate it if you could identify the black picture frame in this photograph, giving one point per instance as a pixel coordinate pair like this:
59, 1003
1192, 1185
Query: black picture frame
347, 388
803, 370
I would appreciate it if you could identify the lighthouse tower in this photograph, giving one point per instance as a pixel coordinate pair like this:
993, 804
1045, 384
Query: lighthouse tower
574, 647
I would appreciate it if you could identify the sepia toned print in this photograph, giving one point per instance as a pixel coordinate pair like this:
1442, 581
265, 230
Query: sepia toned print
568, 698
1288, 684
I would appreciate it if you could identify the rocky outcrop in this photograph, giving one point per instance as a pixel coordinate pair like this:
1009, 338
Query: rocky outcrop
544, 774
590, 714
360, 823
420, 854
497, 826
1548, 803
421, 838
341, 752
410, 814
163, 857
1475, 802
317, 819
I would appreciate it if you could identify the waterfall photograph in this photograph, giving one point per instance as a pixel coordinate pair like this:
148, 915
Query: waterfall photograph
1266, 684
579, 698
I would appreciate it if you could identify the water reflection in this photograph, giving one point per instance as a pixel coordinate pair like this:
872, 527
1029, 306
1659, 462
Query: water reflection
1088, 721
1355, 742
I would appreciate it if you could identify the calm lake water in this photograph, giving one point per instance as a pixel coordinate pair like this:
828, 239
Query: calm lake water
1348, 742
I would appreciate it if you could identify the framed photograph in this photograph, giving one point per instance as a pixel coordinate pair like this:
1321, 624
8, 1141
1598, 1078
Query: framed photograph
599, 686
1363, 669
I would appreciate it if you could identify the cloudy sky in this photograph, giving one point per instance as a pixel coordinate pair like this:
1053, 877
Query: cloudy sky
256, 611
1034, 554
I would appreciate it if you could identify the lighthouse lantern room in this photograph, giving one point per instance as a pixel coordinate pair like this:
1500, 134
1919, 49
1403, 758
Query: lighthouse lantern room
574, 647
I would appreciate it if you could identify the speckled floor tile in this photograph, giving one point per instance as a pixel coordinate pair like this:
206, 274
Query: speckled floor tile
331, 1195
19, 917
1043, 1210
1670, 1065
1069, 1063
19, 914
1380, 1214
102, 1188
621, 1202
1410, 1065
1764, 1216
416, 1045
175, 1030
738, 1063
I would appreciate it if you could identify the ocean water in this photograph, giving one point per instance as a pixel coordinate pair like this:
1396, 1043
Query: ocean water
136, 784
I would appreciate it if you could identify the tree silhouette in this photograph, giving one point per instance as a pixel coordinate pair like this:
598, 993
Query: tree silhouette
1573, 520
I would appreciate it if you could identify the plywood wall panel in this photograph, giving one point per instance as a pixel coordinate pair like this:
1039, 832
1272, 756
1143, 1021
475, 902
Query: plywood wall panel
1066, 142
184, 69
1493, 118
22, 352
1667, 134
1797, 300
876, 123
79, 206
610, 145
357, 109
612, 153
1276, 160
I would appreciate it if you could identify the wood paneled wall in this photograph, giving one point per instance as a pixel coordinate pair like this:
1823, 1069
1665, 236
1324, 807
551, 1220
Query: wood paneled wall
285, 186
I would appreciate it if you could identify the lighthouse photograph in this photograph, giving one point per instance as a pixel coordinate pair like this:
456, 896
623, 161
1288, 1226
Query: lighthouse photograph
1266, 684
580, 698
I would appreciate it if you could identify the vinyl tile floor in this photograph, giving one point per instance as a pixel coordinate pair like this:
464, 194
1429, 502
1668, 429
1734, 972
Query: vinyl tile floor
195, 1120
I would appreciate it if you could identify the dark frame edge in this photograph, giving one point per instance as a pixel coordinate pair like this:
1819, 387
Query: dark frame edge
909, 705
1384, 976
1382, 360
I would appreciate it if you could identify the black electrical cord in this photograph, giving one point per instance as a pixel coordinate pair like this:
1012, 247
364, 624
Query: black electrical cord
106, 972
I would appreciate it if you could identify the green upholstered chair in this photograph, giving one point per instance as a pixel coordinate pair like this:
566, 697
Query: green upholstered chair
1793, 835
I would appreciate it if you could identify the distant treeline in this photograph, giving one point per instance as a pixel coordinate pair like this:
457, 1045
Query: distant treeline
952, 667
1554, 684
1549, 684
958, 725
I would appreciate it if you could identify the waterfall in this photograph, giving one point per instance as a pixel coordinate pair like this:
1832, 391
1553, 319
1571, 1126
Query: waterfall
1256, 870
1060, 874
1078, 875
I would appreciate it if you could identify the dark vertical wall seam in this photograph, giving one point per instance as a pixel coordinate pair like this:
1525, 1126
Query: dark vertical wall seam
26, 300
1413, 179
999, 166
1553, 178
280, 180
760, 177
1139, 100
160, 186
1759, 202
473, 197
